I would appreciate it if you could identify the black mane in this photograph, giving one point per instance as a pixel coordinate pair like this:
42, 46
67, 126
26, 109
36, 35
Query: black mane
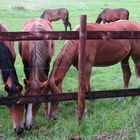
7, 67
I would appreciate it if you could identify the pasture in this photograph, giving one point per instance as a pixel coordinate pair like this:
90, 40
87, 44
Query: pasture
103, 119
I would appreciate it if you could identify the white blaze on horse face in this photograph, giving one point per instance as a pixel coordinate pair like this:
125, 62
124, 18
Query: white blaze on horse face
49, 104
29, 115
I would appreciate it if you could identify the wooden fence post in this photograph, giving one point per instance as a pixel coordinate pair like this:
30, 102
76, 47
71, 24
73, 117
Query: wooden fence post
81, 67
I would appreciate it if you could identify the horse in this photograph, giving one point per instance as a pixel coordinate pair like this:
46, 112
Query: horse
57, 14
36, 57
110, 15
99, 53
10, 79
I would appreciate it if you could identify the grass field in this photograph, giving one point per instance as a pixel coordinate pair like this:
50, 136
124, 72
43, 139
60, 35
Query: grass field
103, 119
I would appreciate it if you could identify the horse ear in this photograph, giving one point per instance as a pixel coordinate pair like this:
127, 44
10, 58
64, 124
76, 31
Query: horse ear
44, 84
20, 87
26, 82
7, 88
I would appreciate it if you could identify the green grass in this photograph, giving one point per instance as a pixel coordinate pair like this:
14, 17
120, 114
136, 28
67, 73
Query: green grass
102, 117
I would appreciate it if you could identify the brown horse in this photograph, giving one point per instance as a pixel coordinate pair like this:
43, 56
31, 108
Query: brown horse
36, 57
111, 15
56, 14
9, 76
98, 53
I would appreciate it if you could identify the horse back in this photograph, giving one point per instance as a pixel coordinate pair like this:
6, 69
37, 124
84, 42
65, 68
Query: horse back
30, 26
109, 52
122, 13
55, 14
111, 15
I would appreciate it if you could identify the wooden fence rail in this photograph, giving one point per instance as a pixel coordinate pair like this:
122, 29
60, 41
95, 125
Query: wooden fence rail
61, 35
68, 96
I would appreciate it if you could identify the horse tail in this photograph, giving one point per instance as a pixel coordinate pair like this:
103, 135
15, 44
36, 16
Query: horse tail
67, 20
99, 19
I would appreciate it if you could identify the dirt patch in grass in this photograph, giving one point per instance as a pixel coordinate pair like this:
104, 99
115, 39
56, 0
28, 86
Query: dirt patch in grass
120, 134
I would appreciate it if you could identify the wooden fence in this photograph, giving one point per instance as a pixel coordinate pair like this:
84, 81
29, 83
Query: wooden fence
83, 35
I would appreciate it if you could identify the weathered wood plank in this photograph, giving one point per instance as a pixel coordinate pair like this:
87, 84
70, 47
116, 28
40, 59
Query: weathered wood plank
69, 96
81, 67
61, 35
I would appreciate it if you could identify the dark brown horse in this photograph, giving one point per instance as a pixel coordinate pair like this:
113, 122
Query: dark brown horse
56, 14
99, 53
36, 57
111, 15
9, 76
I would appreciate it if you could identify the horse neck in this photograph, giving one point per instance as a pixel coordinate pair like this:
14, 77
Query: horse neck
62, 64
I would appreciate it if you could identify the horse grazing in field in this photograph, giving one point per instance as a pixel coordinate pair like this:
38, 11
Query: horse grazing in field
9, 76
99, 53
56, 14
36, 57
110, 15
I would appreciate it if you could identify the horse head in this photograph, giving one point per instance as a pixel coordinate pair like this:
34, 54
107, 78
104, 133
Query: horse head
32, 88
16, 111
50, 87
12, 86
36, 57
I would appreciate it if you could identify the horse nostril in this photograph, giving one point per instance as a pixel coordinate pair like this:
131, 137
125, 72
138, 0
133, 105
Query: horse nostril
55, 118
30, 128
27, 127
19, 131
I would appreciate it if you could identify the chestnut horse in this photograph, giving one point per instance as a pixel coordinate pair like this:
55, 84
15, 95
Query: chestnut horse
9, 76
36, 57
56, 14
98, 53
111, 15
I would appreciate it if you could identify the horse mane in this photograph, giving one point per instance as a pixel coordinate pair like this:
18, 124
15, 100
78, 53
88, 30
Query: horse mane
66, 54
99, 19
3, 28
65, 57
42, 16
7, 65
38, 55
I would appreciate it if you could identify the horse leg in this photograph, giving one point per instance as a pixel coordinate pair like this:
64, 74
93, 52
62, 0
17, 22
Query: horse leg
87, 76
126, 71
137, 68
66, 23
70, 26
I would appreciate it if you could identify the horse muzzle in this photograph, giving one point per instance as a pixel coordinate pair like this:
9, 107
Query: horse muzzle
19, 130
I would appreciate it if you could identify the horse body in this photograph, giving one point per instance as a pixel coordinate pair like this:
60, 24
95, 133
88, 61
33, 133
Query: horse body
98, 53
111, 15
9, 76
36, 57
57, 14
